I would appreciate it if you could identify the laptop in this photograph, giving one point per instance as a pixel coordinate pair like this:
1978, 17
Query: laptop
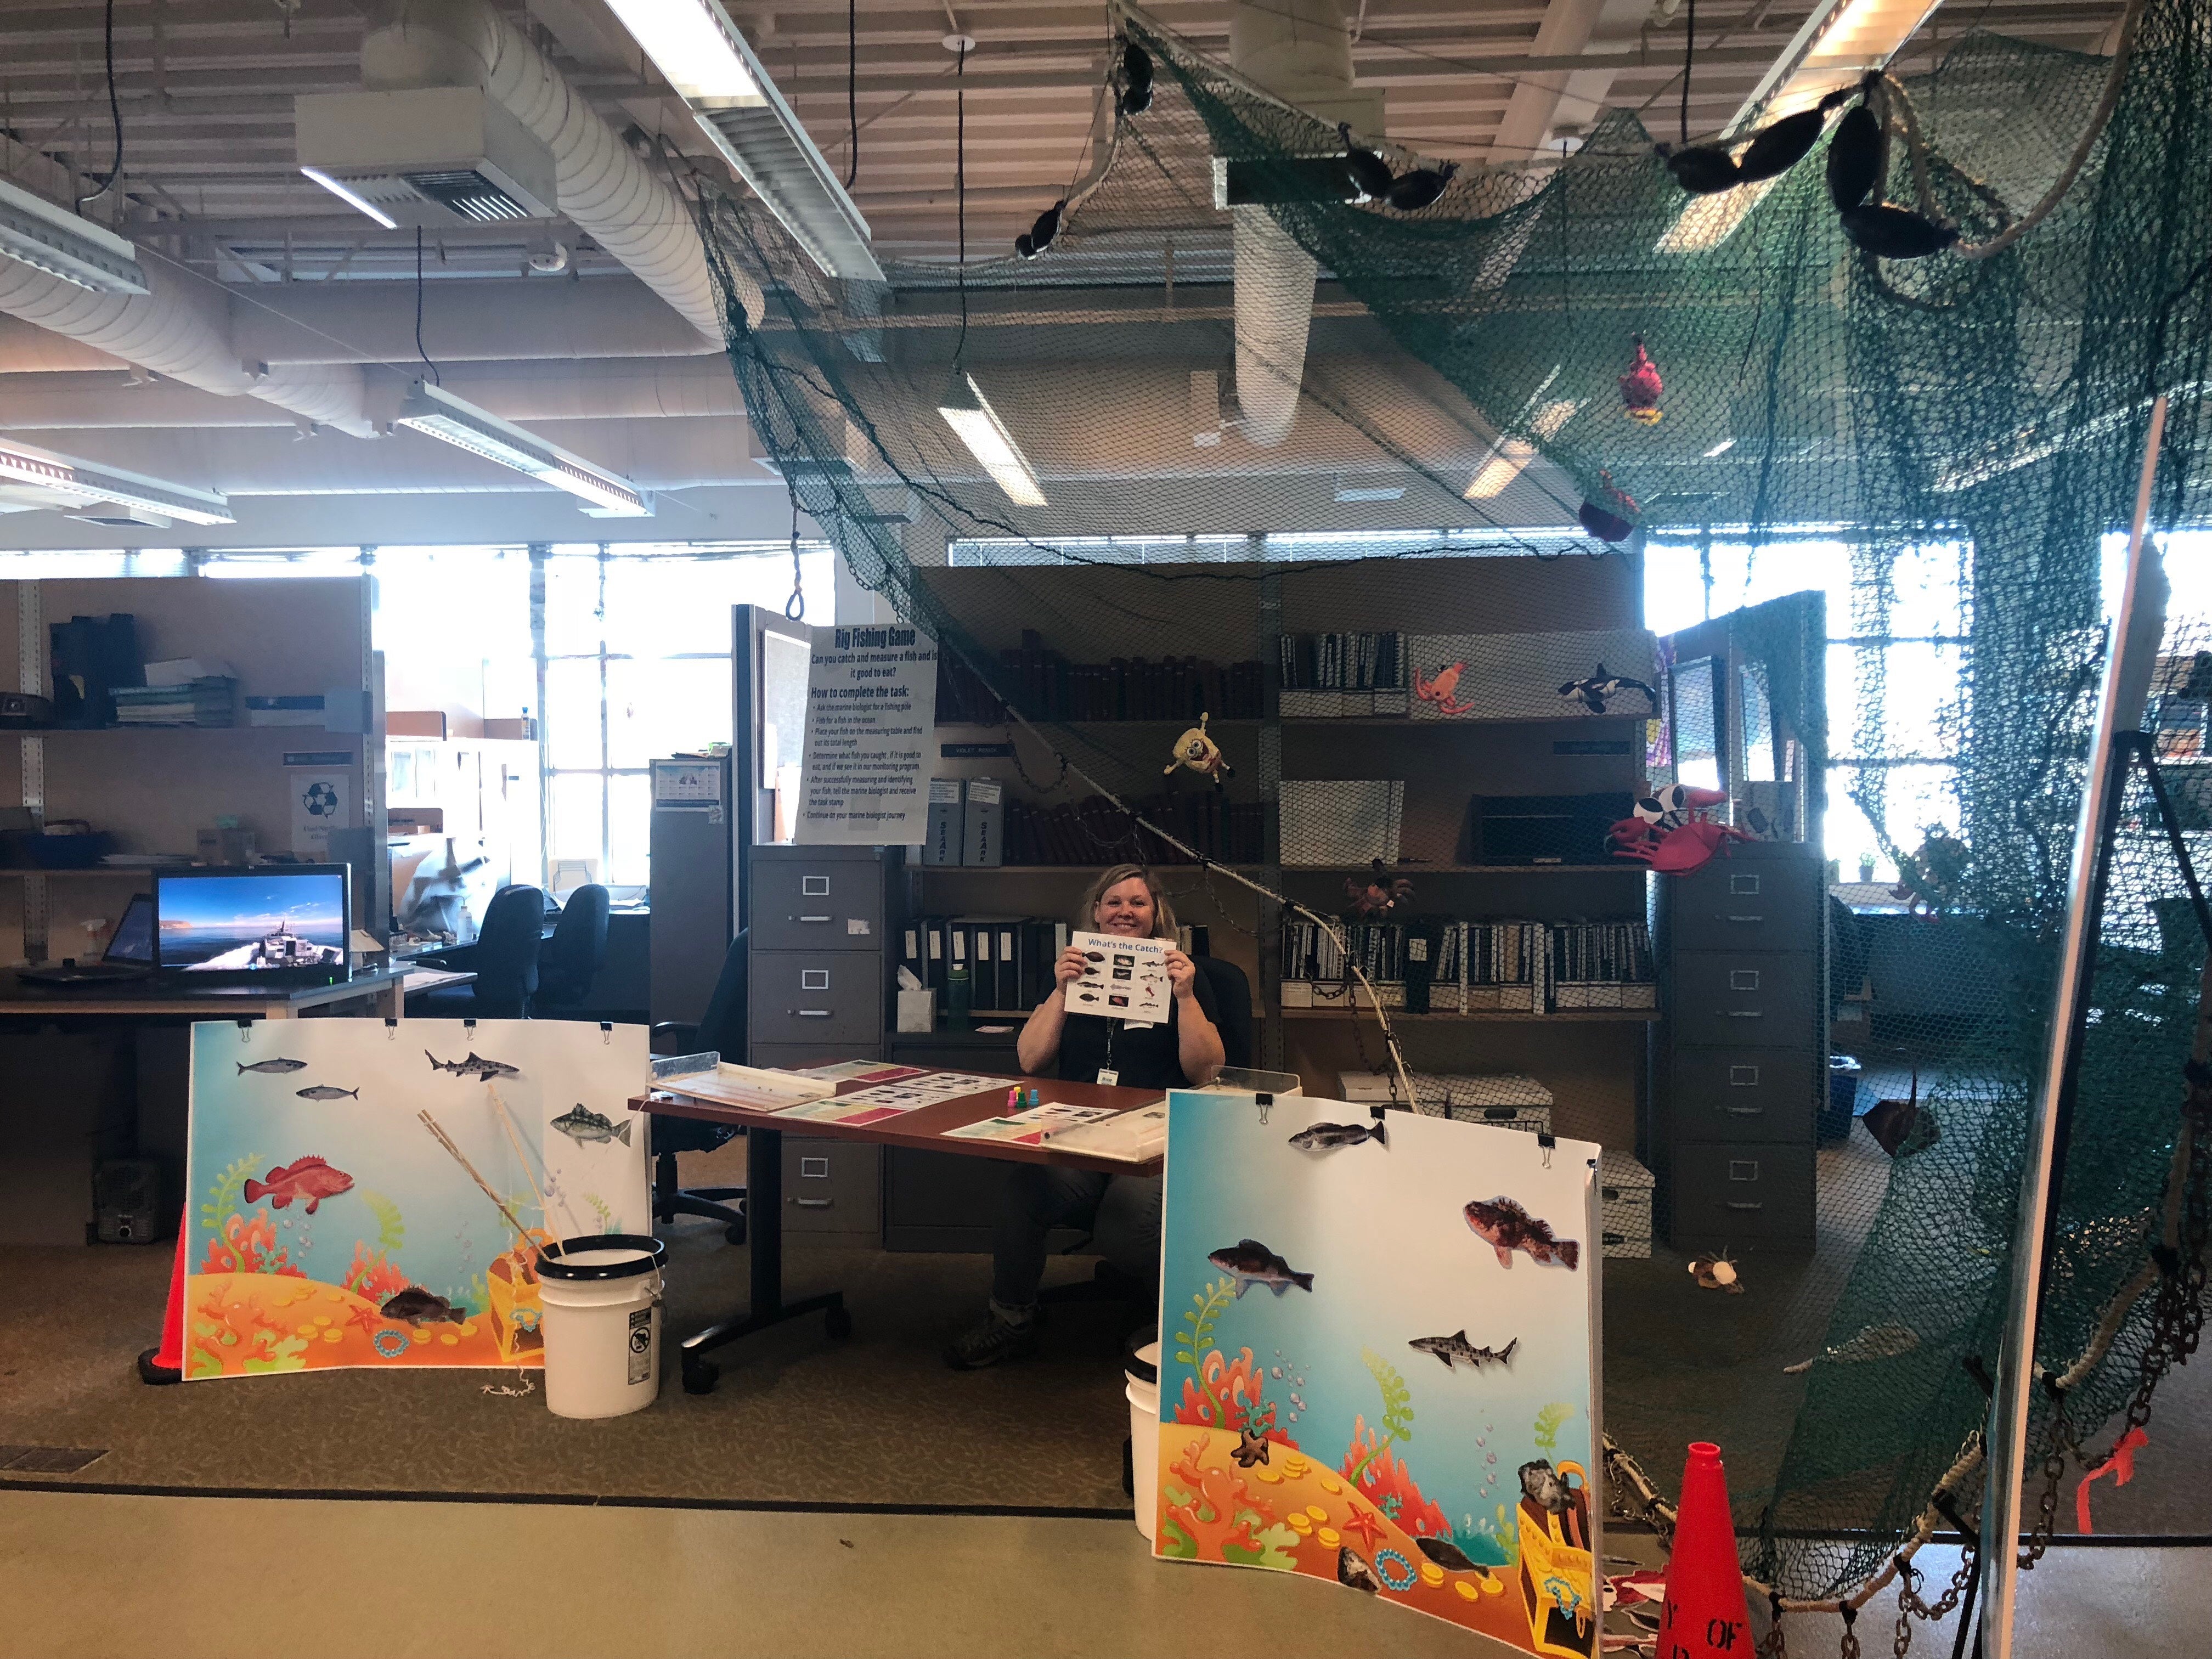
129, 955
271, 924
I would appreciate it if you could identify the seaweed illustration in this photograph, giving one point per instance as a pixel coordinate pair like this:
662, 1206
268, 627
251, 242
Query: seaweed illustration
1277, 1546
602, 1210
1397, 1422
1198, 1332
1549, 1423
248, 1245
391, 1231
372, 1274
1387, 1481
227, 1194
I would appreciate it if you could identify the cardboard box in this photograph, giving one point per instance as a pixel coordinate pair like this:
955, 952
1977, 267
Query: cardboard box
524, 730
415, 723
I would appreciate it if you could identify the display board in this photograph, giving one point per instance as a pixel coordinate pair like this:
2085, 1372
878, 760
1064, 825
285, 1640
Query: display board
870, 705
333, 1227
1379, 1359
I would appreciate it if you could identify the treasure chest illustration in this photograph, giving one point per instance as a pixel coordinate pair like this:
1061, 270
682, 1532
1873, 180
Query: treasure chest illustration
511, 1284
1555, 1584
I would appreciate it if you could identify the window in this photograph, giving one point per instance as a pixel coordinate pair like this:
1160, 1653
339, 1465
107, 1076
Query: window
1896, 701
636, 652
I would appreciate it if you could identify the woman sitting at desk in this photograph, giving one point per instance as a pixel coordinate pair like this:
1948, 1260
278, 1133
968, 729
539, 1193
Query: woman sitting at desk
1122, 1212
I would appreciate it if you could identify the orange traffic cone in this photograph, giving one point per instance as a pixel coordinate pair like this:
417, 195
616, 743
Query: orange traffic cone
1705, 1615
166, 1363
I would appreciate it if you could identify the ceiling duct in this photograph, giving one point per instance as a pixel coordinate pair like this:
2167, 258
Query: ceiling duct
601, 186
1300, 52
434, 157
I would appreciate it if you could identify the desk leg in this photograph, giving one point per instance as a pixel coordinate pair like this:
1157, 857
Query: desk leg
277, 1010
394, 999
764, 1238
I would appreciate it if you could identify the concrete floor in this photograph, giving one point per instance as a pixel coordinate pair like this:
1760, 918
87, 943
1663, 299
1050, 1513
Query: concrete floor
193, 1576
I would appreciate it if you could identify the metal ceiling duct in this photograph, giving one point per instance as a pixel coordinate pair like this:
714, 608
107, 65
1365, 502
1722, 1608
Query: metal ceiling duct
604, 188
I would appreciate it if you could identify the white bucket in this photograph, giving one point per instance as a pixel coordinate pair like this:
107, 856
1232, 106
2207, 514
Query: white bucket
1142, 1374
602, 1323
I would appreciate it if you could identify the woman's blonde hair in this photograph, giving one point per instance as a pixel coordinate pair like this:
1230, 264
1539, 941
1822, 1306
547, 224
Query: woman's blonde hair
1086, 913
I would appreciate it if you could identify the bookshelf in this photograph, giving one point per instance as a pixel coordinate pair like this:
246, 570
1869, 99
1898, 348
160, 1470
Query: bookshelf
1591, 1059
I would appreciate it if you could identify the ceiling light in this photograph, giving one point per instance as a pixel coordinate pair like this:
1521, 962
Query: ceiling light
1719, 449
1548, 422
968, 413
359, 203
693, 46
58, 242
1371, 492
434, 410
1503, 467
84, 481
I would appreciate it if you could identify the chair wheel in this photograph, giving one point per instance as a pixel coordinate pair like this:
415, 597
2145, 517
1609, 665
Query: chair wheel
838, 1323
700, 1376
735, 1232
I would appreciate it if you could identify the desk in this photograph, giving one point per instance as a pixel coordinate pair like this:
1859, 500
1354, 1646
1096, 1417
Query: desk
924, 1128
386, 985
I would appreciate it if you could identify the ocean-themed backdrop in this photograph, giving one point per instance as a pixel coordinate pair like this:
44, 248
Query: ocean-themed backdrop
329, 1225
1378, 1359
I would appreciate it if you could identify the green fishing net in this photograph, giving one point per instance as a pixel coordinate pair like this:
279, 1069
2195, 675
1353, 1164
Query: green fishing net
1998, 403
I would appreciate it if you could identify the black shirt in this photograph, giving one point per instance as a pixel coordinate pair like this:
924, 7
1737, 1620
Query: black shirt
1146, 1057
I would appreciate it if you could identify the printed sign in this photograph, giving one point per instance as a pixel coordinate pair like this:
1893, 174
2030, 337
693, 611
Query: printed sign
870, 705
1123, 978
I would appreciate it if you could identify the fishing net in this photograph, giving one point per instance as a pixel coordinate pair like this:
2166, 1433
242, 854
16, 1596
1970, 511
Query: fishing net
1990, 411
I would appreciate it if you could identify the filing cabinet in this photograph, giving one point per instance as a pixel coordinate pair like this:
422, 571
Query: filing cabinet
832, 1187
1739, 1063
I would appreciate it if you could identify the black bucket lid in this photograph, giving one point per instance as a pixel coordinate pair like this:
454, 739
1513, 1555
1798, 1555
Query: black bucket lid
649, 1253
1135, 1364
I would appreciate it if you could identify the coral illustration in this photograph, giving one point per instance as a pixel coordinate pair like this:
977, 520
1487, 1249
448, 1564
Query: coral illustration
1228, 1393
1378, 1475
373, 1274
234, 1330
1278, 1544
1215, 1509
1397, 1410
245, 1246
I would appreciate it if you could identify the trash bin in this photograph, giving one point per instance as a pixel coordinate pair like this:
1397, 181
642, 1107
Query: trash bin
1842, 1098
1141, 1369
602, 1323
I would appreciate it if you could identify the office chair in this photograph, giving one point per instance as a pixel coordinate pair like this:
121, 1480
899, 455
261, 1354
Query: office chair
568, 962
504, 960
722, 1029
1232, 1008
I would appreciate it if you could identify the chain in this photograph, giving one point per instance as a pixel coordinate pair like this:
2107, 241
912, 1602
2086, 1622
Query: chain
1776, 1644
1851, 1647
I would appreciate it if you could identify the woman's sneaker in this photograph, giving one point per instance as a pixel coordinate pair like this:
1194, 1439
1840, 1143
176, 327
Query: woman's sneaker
992, 1342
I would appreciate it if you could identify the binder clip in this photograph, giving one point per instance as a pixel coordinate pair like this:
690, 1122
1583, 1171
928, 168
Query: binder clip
245, 1030
390, 1028
1267, 1104
1547, 1140
606, 1034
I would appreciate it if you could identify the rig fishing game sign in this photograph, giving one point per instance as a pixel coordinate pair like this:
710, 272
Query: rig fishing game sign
364, 1193
1379, 1359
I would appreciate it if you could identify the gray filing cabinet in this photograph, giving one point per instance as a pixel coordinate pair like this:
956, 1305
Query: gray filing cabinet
1740, 1058
819, 987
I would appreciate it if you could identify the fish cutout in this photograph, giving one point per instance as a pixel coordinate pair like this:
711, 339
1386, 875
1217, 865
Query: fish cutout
1884, 1341
275, 1068
1327, 1137
420, 1307
1449, 1555
1595, 691
325, 1091
475, 1066
1250, 1262
1251, 1448
1456, 1350
1354, 1573
1506, 1227
309, 1178
587, 1128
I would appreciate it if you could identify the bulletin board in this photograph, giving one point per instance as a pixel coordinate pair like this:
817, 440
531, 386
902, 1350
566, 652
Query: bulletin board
330, 1225
1379, 1360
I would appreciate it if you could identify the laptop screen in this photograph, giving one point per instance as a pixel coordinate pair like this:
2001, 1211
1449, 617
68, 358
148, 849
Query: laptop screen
132, 945
251, 920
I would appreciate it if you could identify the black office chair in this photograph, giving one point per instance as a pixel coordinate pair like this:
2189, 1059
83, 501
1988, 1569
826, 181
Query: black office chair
722, 1029
504, 960
571, 959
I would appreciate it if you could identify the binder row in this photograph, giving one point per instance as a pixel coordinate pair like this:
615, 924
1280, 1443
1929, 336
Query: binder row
1047, 686
1095, 831
1000, 964
1329, 675
1441, 966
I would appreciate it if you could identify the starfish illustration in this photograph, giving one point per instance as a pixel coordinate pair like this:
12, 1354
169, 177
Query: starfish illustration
366, 1320
1251, 1448
1365, 1525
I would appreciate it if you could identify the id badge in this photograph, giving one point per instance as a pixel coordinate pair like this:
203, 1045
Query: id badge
1108, 1077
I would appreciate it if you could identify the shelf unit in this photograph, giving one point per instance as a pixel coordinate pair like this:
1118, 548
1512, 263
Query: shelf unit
1092, 613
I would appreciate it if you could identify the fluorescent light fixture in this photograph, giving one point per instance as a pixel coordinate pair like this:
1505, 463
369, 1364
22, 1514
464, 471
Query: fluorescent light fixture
969, 412
1503, 467
434, 410
351, 198
1371, 492
1719, 449
690, 43
55, 241
86, 481
1548, 422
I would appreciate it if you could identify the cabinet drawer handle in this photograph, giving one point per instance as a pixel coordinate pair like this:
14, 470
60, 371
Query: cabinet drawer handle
813, 918
1742, 1204
814, 1203
1745, 1111
1747, 918
811, 1014
1746, 1013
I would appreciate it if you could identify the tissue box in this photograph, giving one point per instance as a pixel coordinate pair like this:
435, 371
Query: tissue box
917, 1010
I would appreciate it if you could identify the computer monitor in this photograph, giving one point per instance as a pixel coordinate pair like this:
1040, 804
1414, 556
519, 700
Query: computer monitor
131, 945
271, 924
